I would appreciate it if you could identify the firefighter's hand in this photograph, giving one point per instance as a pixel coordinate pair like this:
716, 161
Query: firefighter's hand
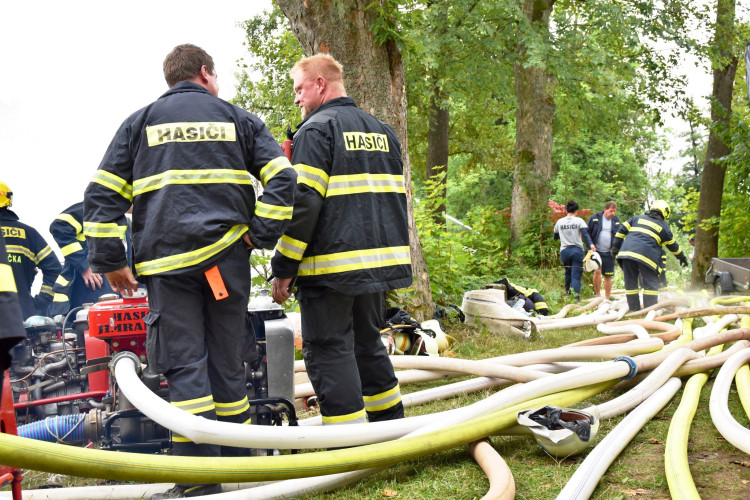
280, 291
92, 280
684, 261
248, 242
123, 281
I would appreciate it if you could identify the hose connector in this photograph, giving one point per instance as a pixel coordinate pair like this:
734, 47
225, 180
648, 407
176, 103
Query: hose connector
123, 355
631, 363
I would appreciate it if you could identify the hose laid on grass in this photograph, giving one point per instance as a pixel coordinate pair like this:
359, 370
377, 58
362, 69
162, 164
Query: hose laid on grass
584, 480
502, 485
39, 455
669, 333
742, 377
725, 423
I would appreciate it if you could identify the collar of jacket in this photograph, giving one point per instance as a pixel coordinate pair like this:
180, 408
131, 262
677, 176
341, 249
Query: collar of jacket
7, 214
186, 86
339, 101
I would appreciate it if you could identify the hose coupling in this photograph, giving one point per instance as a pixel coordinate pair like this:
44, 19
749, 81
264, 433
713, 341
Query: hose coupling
631, 363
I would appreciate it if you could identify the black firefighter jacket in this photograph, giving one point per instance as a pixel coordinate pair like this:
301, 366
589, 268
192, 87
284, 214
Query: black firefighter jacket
349, 231
642, 237
28, 251
185, 163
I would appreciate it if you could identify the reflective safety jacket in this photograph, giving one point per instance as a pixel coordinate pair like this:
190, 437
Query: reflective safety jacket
28, 251
67, 231
185, 163
349, 231
642, 237
11, 322
540, 305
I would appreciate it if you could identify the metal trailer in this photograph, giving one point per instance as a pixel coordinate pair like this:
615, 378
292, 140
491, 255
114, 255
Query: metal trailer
728, 275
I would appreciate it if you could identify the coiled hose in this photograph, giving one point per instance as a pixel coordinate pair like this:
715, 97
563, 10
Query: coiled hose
59, 429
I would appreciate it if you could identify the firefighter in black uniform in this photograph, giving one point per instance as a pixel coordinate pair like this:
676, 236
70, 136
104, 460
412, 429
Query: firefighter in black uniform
185, 163
638, 247
11, 322
347, 244
27, 252
77, 284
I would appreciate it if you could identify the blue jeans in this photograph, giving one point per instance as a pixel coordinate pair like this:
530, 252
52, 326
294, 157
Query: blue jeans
572, 260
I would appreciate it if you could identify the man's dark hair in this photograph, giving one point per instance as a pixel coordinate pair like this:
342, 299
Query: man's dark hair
185, 62
571, 206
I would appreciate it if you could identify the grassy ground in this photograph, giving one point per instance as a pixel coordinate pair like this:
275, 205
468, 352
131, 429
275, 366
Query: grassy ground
719, 470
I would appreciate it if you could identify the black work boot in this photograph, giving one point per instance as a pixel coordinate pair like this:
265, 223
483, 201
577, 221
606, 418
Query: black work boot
187, 491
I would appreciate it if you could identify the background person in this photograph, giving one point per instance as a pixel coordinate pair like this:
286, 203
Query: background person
27, 252
347, 244
11, 321
185, 163
638, 249
76, 284
570, 230
602, 227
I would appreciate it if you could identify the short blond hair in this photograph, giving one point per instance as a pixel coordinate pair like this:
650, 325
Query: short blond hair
323, 65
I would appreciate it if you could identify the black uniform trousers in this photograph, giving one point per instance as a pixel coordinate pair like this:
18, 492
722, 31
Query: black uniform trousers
197, 342
632, 271
345, 357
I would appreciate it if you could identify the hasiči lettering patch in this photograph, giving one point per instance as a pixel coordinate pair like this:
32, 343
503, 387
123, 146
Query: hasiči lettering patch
190, 132
362, 141
13, 232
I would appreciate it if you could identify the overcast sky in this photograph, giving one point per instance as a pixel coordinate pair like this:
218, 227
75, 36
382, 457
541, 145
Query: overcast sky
75, 70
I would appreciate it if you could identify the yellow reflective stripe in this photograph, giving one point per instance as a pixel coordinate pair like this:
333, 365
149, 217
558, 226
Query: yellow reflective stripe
650, 292
60, 297
649, 232
365, 183
277, 212
351, 418
115, 183
187, 259
7, 283
176, 438
272, 168
384, 400
194, 406
61, 281
631, 292
101, 229
653, 225
190, 132
20, 250
46, 251
627, 225
207, 176
620, 235
72, 248
638, 256
291, 248
540, 305
313, 177
70, 220
225, 409
354, 260
47, 290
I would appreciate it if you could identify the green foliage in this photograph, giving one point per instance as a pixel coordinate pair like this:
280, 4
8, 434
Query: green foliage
460, 258
265, 87
389, 23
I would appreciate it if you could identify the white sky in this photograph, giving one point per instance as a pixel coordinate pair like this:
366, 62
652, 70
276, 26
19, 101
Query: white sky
75, 70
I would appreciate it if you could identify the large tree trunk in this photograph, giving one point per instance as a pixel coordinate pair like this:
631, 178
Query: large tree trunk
535, 112
374, 78
712, 181
437, 148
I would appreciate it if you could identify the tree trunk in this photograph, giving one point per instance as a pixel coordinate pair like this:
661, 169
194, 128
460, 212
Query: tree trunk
374, 78
535, 112
712, 180
437, 148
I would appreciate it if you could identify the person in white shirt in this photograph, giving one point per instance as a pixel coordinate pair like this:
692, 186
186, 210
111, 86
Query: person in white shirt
602, 228
570, 230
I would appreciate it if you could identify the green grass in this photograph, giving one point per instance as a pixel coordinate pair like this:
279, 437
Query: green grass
720, 471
